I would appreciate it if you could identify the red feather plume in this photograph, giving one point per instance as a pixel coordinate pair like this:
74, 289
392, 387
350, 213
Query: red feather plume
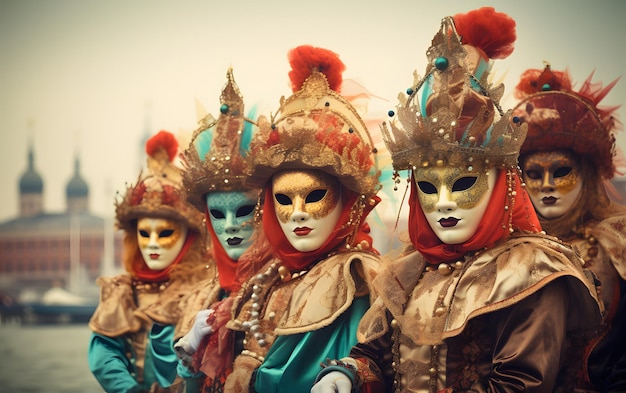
306, 58
165, 140
493, 32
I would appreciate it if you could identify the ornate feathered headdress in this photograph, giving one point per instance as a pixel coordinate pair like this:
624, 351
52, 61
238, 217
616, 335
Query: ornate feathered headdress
316, 128
156, 193
454, 122
216, 157
559, 117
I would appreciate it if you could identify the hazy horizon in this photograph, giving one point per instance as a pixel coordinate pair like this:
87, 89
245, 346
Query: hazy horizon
90, 78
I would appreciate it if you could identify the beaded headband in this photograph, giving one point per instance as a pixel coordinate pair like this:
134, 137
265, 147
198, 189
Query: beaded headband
215, 158
454, 125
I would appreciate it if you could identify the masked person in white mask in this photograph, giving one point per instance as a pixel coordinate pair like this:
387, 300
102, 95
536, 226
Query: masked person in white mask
164, 256
480, 300
317, 166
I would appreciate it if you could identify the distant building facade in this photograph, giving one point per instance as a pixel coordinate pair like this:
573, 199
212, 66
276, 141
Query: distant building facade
39, 249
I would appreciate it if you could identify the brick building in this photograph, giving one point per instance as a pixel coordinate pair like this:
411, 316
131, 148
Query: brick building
39, 248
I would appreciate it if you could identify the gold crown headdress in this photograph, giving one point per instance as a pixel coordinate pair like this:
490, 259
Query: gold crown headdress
454, 124
316, 128
156, 193
215, 158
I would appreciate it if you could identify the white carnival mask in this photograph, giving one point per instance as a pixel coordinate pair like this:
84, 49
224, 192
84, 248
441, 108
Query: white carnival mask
160, 241
454, 200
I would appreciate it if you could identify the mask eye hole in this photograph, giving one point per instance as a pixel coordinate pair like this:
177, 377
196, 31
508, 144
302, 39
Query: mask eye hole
166, 233
427, 187
143, 233
562, 171
464, 183
533, 174
315, 196
217, 214
282, 199
244, 210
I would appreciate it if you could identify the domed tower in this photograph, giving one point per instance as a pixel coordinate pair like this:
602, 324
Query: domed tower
31, 189
77, 191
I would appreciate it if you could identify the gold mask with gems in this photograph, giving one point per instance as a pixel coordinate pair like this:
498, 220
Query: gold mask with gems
308, 206
313, 192
553, 181
454, 200
465, 188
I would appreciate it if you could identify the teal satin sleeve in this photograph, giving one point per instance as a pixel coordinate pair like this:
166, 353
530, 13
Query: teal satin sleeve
161, 360
293, 362
193, 382
109, 364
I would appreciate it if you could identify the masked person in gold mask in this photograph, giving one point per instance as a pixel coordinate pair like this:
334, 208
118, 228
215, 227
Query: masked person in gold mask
480, 300
164, 255
316, 165
567, 160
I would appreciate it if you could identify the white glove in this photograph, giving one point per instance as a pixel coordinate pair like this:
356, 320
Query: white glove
190, 341
334, 381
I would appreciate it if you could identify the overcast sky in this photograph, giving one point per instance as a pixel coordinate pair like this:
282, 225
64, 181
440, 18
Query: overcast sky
92, 77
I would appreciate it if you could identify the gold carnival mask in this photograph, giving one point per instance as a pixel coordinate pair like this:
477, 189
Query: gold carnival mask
465, 188
553, 181
308, 206
313, 192
556, 169
160, 241
454, 200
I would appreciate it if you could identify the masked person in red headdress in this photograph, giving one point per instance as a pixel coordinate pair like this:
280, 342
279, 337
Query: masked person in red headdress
316, 165
567, 160
164, 256
214, 182
481, 300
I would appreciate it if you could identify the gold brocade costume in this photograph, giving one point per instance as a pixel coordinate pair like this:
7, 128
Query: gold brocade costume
602, 246
304, 306
200, 297
434, 341
131, 309
482, 308
301, 303
130, 348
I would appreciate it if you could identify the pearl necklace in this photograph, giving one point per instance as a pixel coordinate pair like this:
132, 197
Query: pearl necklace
260, 283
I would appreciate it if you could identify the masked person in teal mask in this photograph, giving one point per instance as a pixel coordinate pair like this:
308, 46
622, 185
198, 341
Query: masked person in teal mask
164, 256
213, 182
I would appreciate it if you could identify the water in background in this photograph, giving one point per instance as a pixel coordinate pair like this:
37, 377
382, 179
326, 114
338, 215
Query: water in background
49, 358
